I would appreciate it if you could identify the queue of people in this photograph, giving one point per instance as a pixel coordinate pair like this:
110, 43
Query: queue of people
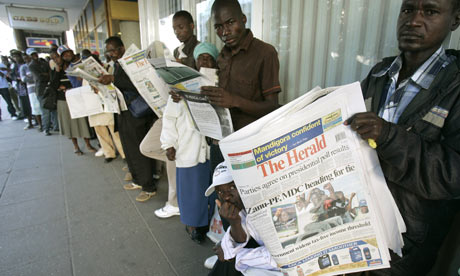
413, 112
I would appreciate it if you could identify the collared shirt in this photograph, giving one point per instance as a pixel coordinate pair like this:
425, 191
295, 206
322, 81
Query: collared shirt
398, 98
252, 72
247, 258
187, 49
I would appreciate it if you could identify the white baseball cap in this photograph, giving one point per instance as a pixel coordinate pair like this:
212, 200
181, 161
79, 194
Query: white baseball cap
221, 176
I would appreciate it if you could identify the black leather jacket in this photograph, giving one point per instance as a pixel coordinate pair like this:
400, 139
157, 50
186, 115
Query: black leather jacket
420, 158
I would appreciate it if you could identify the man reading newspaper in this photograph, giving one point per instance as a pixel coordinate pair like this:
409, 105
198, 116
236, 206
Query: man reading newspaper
241, 242
414, 123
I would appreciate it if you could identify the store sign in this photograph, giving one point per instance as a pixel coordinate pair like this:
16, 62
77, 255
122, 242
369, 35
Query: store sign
40, 42
38, 19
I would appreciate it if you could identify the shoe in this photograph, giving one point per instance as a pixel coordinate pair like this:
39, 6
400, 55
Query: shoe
78, 152
40, 129
144, 196
167, 211
25, 120
132, 186
194, 234
47, 133
99, 153
156, 176
128, 177
108, 160
28, 127
125, 168
210, 262
14, 118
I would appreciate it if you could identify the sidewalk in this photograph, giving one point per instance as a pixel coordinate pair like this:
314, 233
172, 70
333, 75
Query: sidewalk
62, 214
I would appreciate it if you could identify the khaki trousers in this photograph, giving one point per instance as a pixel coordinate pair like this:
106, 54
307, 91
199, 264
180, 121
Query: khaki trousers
109, 141
151, 147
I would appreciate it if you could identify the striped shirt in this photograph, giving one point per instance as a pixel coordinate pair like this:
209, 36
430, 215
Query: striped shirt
399, 97
247, 258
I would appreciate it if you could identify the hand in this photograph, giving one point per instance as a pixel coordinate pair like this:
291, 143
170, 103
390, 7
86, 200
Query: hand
219, 252
367, 124
95, 90
62, 88
229, 212
106, 79
219, 96
175, 96
171, 154
352, 195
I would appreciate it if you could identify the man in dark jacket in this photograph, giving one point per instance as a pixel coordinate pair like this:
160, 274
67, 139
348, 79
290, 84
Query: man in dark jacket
132, 129
414, 120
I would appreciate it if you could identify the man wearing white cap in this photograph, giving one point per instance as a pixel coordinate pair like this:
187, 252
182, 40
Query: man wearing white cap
241, 242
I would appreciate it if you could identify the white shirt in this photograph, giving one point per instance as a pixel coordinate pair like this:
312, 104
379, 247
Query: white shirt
247, 258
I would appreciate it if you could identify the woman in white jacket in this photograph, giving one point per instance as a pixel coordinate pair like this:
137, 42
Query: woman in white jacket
184, 144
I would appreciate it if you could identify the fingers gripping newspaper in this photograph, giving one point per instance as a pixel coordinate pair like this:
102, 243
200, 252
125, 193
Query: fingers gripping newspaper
107, 96
314, 190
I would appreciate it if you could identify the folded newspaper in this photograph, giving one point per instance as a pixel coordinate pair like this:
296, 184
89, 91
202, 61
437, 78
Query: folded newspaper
108, 95
313, 189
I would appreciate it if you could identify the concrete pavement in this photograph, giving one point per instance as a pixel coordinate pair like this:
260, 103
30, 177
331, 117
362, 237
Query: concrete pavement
62, 214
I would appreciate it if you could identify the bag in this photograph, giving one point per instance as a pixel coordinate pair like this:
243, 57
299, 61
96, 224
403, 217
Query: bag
136, 104
50, 98
216, 229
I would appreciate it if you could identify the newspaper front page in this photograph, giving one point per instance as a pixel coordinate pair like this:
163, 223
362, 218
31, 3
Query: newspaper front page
309, 185
145, 79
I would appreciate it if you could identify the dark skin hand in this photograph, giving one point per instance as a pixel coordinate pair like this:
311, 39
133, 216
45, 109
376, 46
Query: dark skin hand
219, 252
106, 79
223, 98
367, 124
171, 154
230, 212
175, 97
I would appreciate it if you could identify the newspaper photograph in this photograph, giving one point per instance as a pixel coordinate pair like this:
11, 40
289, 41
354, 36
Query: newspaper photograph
309, 185
210, 120
145, 79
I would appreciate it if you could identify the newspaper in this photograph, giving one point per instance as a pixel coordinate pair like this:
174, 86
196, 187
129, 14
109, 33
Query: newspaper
310, 186
110, 97
145, 79
83, 102
210, 120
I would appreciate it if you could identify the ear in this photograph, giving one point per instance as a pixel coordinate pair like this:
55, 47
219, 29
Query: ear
244, 19
192, 26
455, 20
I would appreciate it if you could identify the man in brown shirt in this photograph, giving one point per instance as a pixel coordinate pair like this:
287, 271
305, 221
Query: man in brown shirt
248, 68
183, 29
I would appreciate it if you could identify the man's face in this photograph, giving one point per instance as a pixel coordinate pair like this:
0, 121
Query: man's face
54, 56
182, 28
26, 58
229, 193
230, 26
18, 58
68, 56
206, 61
114, 52
424, 24
34, 56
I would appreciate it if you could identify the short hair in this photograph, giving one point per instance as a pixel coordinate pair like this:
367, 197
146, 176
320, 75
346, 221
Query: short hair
184, 14
86, 52
115, 40
232, 4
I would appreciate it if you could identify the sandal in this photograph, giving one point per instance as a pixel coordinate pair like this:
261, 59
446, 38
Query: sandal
78, 152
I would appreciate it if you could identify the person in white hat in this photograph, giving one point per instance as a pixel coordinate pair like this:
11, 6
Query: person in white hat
241, 243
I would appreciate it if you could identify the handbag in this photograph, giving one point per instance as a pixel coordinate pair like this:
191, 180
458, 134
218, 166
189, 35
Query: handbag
50, 98
136, 104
